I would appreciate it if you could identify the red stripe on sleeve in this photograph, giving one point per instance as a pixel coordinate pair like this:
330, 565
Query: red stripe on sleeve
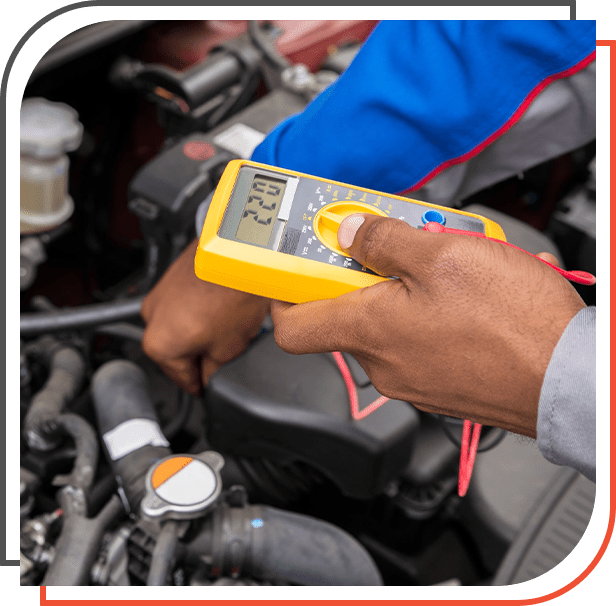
506, 126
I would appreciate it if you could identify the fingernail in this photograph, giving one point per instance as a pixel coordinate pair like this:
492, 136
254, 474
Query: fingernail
347, 230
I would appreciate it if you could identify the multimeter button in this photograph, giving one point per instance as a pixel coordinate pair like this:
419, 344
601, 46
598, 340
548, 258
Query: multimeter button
433, 216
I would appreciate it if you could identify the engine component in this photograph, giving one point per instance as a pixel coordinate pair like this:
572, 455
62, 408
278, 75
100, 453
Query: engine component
509, 484
273, 545
301, 81
80, 317
112, 566
86, 444
80, 540
151, 550
31, 255
128, 425
28, 483
182, 487
65, 379
200, 97
272, 482
274, 405
36, 531
35, 549
224, 67
164, 554
47, 131
558, 521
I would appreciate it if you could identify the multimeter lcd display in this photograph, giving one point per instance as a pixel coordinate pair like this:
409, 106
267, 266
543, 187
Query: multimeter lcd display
260, 211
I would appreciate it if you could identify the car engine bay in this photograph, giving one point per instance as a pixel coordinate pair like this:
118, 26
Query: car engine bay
125, 479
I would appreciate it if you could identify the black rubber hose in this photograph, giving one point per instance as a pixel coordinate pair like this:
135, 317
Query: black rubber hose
163, 554
80, 541
121, 330
120, 394
66, 376
70, 318
101, 492
171, 429
86, 445
276, 545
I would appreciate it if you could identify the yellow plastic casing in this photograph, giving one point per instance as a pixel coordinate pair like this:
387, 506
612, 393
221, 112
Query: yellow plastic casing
276, 275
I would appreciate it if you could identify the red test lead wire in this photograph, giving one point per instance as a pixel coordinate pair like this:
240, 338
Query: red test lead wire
581, 277
350, 385
468, 450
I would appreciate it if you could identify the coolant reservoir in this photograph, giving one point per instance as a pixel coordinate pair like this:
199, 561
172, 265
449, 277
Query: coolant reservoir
47, 131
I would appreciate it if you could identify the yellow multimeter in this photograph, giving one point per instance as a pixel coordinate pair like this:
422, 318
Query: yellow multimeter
273, 232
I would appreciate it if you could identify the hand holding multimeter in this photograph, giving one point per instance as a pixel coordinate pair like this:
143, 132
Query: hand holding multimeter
274, 233
468, 327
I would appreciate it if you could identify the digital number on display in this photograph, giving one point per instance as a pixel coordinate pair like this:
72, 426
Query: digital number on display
260, 210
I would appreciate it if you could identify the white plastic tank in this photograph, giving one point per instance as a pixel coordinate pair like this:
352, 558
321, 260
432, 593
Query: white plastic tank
47, 131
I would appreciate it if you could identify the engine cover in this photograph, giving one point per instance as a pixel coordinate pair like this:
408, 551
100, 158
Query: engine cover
288, 408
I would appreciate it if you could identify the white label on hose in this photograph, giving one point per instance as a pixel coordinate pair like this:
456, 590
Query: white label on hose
132, 435
240, 139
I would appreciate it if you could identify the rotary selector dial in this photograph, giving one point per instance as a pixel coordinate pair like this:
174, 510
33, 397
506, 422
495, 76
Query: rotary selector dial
327, 221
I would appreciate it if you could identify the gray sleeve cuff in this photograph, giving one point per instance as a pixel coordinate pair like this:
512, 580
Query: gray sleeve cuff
566, 422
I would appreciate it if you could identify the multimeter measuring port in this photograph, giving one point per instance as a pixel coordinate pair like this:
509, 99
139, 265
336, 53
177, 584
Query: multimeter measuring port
273, 232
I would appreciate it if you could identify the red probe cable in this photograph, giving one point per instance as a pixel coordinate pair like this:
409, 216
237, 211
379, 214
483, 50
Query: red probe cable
350, 385
468, 450
581, 277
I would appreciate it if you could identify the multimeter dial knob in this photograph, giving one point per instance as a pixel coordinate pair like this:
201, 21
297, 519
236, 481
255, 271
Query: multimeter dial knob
328, 219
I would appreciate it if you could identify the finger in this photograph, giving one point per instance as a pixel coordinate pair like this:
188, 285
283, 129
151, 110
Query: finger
182, 370
277, 307
184, 373
208, 367
385, 245
146, 307
315, 327
550, 258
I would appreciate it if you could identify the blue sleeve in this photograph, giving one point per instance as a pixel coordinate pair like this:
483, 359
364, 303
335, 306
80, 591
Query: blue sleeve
423, 95
566, 421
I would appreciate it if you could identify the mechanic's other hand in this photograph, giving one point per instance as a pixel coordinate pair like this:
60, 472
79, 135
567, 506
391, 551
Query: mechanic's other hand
194, 327
467, 330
